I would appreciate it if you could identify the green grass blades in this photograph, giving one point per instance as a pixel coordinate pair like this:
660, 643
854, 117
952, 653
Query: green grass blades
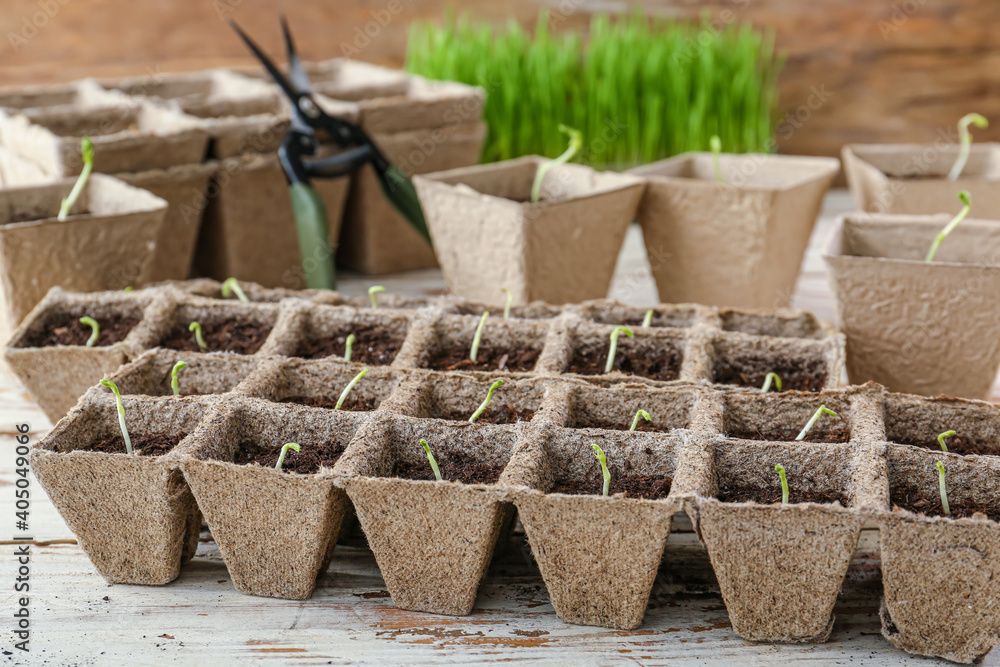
638, 89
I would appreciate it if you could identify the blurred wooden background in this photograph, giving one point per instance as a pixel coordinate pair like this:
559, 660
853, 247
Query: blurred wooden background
858, 70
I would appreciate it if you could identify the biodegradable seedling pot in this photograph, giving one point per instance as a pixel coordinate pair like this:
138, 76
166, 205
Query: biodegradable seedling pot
563, 249
205, 374
940, 575
918, 421
912, 326
657, 355
133, 515
802, 364
912, 179
48, 352
736, 244
106, 243
276, 529
227, 327
505, 346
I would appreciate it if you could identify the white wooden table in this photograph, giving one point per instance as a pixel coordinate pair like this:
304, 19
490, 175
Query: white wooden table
78, 619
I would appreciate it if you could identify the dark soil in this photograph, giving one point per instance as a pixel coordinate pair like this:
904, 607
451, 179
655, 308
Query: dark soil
455, 466
956, 445
779, 433
156, 445
932, 507
644, 426
352, 403
305, 462
235, 336
500, 414
648, 487
742, 493
662, 365
372, 347
750, 371
519, 360
113, 330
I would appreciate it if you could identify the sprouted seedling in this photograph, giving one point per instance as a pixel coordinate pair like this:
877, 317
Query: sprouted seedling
128, 288
769, 379
944, 489
431, 459
635, 420
87, 150
372, 291
716, 145
174, 384
950, 227
121, 414
198, 338
613, 348
350, 385
575, 143
284, 450
232, 285
95, 330
349, 347
823, 410
477, 338
965, 139
510, 301
603, 460
482, 407
780, 469
941, 437
647, 319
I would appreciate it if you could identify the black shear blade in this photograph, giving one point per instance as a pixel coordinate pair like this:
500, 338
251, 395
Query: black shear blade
296, 70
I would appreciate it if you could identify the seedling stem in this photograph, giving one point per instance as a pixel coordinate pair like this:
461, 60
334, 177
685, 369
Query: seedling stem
823, 410
87, 150
349, 347
284, 451
613, 348
482, 407
780, 469
431, 459
372, 291
95, 330
940, 439
510, 301
174, 384
950, 227
350, 385
575, 143
196, 328
233, 285
716, 145
944, 489
768, 380
121, 414
648, 318
474, 352
965, 139
635, 420
599, 453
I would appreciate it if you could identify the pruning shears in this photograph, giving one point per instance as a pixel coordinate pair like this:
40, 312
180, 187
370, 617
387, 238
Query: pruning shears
307, 122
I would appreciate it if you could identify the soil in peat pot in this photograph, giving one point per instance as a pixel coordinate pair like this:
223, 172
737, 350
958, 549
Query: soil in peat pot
154, 445
500, 414
957, 444
237, 336
646, 487
518, 360
960, 509
455, 466
305, 462
644, 426
750, 371
746, 493
372, 346
114, 329
660, 321
352, 403
832, 430
662, 362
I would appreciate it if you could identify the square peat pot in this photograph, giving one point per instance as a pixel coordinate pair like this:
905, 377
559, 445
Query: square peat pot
150, 373
133, 514
455, 397
321, 332
276, 528
48, 351
912, 179
597, 554
651, 354
780, 567
912, 326
802, 364
563, 249
432, 540
506, 346
665, 316
918, 421
941, 574
228, 327
737, 243
107, 242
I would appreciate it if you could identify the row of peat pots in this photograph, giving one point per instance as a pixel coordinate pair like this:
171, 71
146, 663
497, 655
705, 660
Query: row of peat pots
209, 453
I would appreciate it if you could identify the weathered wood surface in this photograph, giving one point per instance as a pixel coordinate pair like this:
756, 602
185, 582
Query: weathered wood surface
350, 620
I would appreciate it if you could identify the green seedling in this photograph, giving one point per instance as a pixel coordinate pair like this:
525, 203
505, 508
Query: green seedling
716, 145
350, 385
95, 330
510, 301
965, 142
941, 437
198, 338
613, 348
477, 338
780, 469
575, 143
431, 459
482, 407
128, 289
349, 347
599, 453
823, 410
174, 384
121, 414
87, 150
769, 379
284, 451
635, 420
232, 285
372, 291
950, 227
647, 319
943, 487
